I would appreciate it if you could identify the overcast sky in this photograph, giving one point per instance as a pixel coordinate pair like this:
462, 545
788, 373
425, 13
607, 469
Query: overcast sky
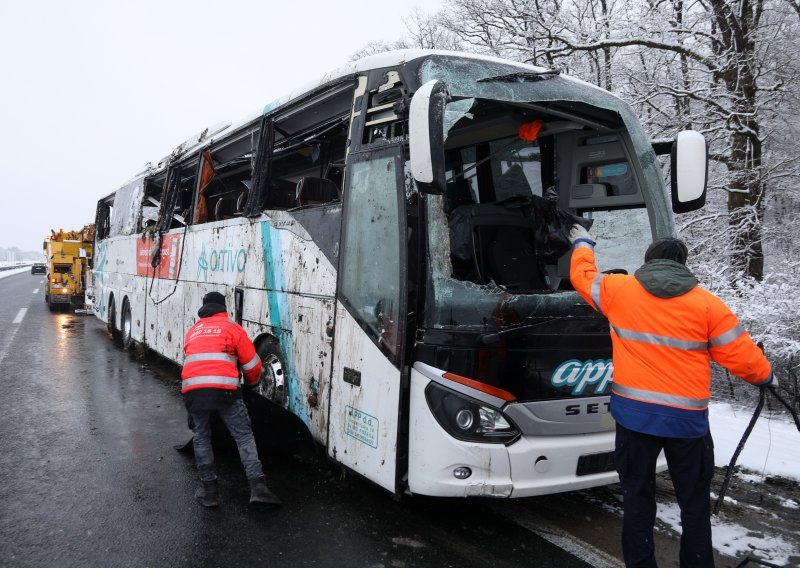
91, 90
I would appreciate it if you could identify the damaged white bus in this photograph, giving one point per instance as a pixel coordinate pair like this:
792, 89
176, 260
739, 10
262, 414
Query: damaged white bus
391, 238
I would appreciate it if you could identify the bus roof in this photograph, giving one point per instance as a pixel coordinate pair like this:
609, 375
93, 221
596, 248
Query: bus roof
378, 61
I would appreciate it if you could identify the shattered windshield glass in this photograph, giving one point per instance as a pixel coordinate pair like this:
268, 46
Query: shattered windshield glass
524, 161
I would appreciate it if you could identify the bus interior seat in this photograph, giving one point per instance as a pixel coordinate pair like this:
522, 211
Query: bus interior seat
504, 248
513, 261
316, 191
224, 208
281, 194
241, 201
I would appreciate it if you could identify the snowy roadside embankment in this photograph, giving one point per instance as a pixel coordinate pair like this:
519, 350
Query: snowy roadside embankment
13, 271
771, 448
735, 540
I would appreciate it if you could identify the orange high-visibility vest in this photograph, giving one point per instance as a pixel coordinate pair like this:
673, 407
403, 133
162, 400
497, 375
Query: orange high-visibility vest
214, 349
662, 347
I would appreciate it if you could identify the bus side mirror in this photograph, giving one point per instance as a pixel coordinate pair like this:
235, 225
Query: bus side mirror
426, 136
689, 167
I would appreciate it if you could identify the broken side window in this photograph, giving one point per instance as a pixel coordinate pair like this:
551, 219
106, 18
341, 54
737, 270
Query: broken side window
184, 199
125, 217
309, 145
308, 168
151, 204
167, 199
226, 177
102, 220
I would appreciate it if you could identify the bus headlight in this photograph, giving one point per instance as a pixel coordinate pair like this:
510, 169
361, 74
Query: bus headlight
464, 419
468, 419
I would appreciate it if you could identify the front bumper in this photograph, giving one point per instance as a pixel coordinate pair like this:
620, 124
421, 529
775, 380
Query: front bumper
74, 300
532, 465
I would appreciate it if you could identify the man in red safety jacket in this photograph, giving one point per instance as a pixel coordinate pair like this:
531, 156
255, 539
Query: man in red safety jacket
664, 331
215, 348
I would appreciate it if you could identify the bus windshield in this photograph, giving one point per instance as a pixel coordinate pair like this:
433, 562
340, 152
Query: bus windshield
495, 256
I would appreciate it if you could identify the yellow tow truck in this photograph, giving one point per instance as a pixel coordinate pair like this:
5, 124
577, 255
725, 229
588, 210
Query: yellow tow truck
69, 257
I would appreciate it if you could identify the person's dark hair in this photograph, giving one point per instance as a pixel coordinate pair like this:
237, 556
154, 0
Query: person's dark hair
667, 248
214, 298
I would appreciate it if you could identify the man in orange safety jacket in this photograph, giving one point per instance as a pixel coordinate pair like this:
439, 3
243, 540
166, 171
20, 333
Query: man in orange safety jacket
215, 348
665, 329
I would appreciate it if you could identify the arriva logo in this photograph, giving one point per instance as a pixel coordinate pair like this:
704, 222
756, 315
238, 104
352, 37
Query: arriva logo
581, 374
220, 260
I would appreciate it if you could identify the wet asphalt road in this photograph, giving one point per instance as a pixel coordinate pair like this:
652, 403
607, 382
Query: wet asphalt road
89, 476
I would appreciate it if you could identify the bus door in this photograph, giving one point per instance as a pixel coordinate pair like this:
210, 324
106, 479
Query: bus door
370, 318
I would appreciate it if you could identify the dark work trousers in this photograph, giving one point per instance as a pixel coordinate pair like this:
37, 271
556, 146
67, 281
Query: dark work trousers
691, 466
235, 417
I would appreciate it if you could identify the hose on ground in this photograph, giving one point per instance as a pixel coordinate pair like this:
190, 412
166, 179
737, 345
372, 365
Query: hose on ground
761, 400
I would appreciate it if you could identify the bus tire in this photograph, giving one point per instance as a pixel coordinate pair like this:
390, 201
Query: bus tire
116, 335
274, 382
126, 323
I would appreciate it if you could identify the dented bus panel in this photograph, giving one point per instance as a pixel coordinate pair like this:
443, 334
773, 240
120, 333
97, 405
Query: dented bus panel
393, 239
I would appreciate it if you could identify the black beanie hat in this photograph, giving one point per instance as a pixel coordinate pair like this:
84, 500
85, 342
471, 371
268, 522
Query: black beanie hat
667, 248
214, 298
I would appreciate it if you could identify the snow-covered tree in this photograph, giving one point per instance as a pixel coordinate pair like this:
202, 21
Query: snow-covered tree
423, 32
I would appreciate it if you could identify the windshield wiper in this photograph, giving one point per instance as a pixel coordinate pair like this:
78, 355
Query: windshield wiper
523, 76
494, 337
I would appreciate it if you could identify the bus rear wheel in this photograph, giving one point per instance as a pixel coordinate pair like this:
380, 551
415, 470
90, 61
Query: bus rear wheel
274, 384
126, 333
116, 335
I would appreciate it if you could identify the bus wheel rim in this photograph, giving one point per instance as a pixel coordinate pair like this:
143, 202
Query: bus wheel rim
273, 384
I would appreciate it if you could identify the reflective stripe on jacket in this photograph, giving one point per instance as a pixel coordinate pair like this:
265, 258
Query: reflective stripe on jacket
662, 346
214, 349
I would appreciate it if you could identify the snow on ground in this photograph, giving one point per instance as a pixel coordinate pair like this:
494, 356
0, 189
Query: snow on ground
770, 450
734, 540
11, 272
790, 504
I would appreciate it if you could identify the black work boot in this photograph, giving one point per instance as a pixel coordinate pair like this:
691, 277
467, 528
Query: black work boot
260, 493
207, 494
